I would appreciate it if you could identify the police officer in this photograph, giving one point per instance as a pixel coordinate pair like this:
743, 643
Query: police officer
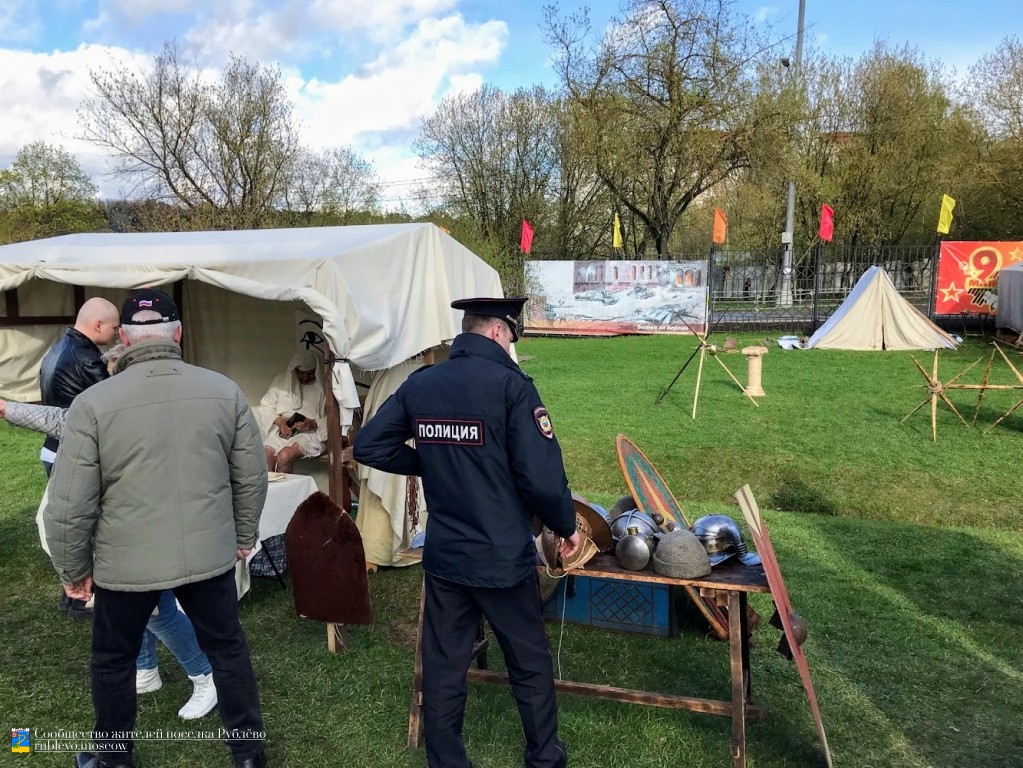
486, 452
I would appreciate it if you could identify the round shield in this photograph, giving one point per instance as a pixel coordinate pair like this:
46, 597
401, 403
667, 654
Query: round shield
591, 523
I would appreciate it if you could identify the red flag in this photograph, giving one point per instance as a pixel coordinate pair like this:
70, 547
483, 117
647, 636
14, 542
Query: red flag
526, 243
827, 230
720, 226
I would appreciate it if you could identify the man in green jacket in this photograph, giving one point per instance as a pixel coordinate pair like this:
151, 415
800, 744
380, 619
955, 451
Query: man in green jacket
159, 484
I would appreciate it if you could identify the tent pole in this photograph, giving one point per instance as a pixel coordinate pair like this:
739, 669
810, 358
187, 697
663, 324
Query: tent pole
337, 479
815, 316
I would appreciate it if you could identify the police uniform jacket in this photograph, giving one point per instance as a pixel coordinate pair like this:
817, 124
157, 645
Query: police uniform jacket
488, 458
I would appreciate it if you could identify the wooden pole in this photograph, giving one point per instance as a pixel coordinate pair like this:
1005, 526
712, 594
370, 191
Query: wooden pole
337, 638
699, 375
337, 484
337, 479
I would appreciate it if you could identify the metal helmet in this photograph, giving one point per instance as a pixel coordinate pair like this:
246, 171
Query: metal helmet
621, 524
633, 550
721, 537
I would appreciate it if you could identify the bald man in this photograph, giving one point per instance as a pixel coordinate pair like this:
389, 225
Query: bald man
70, 367
73, 364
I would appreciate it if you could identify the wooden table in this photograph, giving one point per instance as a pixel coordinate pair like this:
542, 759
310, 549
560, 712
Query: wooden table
728, 584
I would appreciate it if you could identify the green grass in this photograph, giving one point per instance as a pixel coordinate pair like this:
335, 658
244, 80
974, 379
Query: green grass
910, 579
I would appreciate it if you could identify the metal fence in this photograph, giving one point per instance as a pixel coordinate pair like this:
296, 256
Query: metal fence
745, 290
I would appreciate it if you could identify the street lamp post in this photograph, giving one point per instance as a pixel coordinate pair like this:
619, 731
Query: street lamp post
785, 295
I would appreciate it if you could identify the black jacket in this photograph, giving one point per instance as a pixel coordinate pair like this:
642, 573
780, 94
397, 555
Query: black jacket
70, 367
486, 452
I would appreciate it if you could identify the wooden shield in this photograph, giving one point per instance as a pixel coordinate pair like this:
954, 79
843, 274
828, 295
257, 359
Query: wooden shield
780, 594
652, 495
327, 563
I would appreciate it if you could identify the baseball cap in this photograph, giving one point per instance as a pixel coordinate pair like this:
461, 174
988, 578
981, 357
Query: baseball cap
149, 299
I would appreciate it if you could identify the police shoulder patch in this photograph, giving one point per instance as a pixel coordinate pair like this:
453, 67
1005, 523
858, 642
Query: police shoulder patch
543, 422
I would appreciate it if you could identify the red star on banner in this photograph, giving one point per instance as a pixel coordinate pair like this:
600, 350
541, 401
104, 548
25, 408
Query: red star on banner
952, 293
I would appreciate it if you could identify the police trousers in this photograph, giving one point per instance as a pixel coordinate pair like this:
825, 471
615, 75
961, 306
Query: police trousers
450, 617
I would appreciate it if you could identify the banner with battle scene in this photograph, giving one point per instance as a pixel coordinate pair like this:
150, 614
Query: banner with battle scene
968, 276
616, 297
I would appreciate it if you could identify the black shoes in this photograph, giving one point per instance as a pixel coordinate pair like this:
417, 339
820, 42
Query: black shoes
75, 609
90, 760
256, 761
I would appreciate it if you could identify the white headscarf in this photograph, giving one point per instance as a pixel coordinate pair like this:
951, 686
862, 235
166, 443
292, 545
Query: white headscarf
304, 360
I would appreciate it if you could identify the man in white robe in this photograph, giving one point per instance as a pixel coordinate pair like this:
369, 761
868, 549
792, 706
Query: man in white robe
299, 390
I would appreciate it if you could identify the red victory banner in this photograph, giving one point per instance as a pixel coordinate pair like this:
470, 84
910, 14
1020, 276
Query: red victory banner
968, 276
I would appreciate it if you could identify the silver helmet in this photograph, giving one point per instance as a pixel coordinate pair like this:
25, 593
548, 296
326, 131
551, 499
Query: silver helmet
621, 524
721, 537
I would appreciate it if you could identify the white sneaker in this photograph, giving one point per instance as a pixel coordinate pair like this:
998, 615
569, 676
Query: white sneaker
204, 698
148, 680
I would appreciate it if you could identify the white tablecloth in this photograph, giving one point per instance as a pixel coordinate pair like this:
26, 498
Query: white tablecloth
282, 499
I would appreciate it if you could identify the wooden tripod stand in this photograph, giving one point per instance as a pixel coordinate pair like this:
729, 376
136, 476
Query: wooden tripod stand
703, 349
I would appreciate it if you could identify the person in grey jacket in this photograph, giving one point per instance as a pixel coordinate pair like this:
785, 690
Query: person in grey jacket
161, 474
168, 622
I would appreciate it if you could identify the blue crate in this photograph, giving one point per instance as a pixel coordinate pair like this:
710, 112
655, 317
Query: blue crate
628, 606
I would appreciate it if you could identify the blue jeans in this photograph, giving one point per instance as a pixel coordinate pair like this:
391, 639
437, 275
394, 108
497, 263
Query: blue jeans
175, 630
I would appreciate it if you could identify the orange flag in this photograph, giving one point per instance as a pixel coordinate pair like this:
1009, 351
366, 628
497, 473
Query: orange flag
720, 226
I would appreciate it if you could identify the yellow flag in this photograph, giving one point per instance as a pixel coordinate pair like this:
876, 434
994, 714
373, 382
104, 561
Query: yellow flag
616, 242
945, 217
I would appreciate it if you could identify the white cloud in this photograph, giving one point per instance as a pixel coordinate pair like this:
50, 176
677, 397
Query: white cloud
296, 29
133, 12
42, 92
374, 103
375, 15
402, 85
266, 36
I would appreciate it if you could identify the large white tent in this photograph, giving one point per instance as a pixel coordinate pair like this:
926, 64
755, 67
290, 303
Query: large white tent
875, 316
382, 291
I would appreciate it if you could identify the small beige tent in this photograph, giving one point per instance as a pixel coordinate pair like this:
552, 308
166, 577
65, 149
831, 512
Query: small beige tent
874, 316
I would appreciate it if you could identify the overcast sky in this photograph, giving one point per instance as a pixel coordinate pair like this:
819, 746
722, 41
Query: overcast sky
365, 72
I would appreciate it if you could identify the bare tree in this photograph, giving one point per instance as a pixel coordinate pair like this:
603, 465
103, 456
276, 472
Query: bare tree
669, 102
492, 157
224, 150
338, 182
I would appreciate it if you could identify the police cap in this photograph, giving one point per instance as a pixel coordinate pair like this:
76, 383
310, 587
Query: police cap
503, 309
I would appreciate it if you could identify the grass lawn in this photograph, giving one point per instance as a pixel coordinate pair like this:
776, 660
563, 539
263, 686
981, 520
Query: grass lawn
905, 556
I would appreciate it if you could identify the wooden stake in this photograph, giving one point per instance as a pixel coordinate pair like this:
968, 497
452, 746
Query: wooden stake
337, 638
983, 383
699, 375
